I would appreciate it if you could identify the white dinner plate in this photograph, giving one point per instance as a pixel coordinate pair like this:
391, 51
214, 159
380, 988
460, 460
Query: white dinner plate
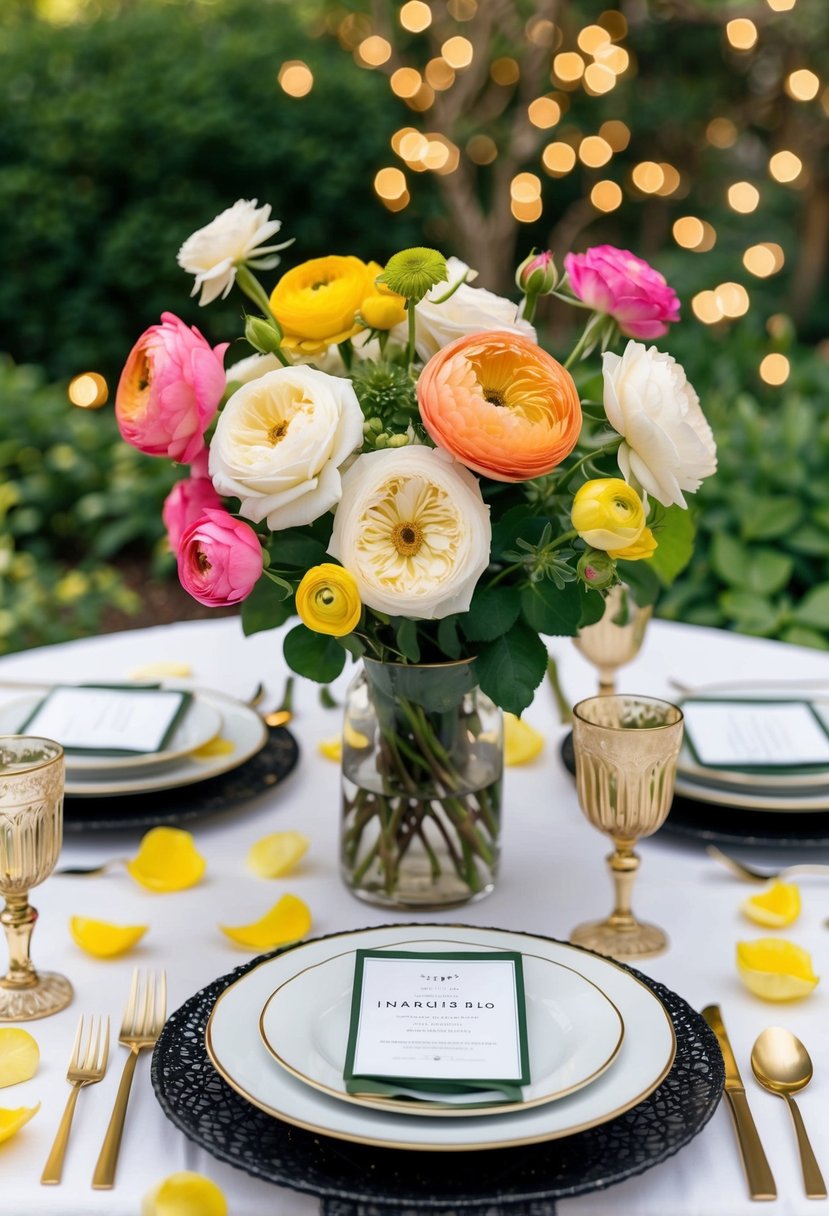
574, 1032
241, 1058
200, 723
242, 729
797, 802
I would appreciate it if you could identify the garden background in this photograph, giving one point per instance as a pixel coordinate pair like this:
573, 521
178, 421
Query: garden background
694, 132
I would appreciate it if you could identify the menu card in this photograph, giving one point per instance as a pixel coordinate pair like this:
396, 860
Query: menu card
756, 734
438, 1027
108, 719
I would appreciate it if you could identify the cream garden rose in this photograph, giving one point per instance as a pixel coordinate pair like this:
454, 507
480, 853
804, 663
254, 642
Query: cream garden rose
280, 442
234, 238
469, 310
668, 446
413, 530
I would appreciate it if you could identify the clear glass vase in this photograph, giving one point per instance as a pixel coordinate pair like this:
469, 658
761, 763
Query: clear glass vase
421, 775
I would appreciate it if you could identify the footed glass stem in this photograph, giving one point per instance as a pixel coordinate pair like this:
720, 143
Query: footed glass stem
621, 935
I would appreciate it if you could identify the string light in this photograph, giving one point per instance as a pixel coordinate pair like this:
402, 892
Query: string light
542, 32
481, 149
389, 183
774, 369
544, 112
732, 299
594, 151
415, 16
606, 195
296, 78
648, 177
558, 158
591, 38
422, 99
398, 140
88, 391
397, 204
439, 74
802, 85
706, 308
741, 33
764, 260
598, 79
405, 82
743, 197
457, 52
374, 51
615, 58
413, 145
671, 180
781, 6
785, 166
462, 10
568, 66
527, 213
505, 71
616, 133
721, 132
615, 24
525, 187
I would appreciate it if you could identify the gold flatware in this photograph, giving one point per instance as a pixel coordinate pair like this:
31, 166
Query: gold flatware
782, 1066
144, 1017
750, 874
88, 871
737, 685
87, 1065
761, 1184
284, 711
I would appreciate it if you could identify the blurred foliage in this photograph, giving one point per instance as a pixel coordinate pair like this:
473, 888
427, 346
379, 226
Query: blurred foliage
73, 495
761, 559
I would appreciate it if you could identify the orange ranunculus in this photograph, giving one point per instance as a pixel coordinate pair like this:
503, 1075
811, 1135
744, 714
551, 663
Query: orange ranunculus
501, 405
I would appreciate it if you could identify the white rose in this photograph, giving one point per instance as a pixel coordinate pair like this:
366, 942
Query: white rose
413, 530
251, 368
234, 238
280, 442
469, 310
668, 445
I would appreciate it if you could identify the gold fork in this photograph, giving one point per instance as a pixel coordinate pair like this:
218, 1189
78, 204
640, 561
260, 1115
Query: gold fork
143, 1021
750, 874
87, 1065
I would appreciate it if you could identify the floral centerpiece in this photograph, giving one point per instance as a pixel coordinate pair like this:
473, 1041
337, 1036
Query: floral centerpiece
402, 466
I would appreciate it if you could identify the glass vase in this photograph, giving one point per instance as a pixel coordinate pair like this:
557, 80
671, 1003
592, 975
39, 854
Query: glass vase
421, 779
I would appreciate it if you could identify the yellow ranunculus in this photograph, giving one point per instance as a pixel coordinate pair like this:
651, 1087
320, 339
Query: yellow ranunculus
328, 601
317, 303
644, 546
608, 514
383, 309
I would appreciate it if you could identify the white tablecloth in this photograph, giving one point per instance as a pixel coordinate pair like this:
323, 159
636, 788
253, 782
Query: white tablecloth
553, 876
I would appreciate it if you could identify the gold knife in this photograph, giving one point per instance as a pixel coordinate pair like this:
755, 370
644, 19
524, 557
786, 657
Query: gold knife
761, 1183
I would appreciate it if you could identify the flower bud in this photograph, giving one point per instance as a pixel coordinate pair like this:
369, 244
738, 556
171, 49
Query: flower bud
537, 275
261, 335
596, 569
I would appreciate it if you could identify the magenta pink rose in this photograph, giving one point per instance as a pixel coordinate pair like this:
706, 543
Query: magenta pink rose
219, 559
618, 283
169, 390
188, 499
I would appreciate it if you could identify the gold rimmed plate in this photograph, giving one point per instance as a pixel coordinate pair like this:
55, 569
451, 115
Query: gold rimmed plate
574, 1033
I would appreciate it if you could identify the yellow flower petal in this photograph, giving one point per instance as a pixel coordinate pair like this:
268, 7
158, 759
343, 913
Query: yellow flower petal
161, 671
775, 970
277, 854
776, 906
287, 921
331, 748
102, 939
19, 1056
185, 1194
522, 742
214, 747
167, 860
11, 1121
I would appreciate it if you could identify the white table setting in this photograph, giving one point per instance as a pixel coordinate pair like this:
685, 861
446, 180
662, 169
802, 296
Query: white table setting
552, 876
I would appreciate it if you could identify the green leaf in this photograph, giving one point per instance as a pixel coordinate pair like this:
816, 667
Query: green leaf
548, 609
354, 645
405, 631
751, 613
813, 609
767, 518
296, 549
448, 640
519, 523
674, 534
314, 655
760, 570
265, 608
642, 579
511, 668
798, 635
493, 611
811, 540
592, 607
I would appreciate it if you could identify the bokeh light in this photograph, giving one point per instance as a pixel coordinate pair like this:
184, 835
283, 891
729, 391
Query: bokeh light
439, 75
374, 51
774, 369
606, 195
721, 133
544, 112
89, 391
616, 133
415, 16
505, 71
389, 183
781, 6
405, 82
785, 166
457, 52
648, 177
732, 299
743, 197
594, 151
741, 33
599, 79
764, 259
568, 67
525, 187
481, 149
527, 213
802, 85
706, 308
296, 78
690, 232
591, 38
558, 158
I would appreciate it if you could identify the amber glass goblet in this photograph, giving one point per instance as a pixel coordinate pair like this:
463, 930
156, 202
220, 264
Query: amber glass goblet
31, 831
626, 749
617, 638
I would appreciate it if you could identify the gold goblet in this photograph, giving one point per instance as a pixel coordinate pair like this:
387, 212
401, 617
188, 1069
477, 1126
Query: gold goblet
31, 830
626, 749
615, 639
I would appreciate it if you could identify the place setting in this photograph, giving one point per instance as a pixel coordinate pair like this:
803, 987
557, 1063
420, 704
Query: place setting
141, 755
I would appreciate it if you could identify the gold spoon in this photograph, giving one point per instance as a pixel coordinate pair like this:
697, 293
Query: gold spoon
782, 1065
284, 711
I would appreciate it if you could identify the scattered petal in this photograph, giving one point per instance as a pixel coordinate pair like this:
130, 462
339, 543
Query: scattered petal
331, 749
214, 747
776, 906
184, 1194
167, 860
775, 970
102, 939
11, 1121
522, 742
161, 671
288, 921
19, 1056
277, 854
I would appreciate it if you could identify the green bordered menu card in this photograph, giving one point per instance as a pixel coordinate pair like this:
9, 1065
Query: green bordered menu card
444, 1028
108, 720
757, 735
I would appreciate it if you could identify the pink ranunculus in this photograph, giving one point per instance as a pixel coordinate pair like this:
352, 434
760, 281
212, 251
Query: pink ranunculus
169, 390
219, 559
618, 283
188, 499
